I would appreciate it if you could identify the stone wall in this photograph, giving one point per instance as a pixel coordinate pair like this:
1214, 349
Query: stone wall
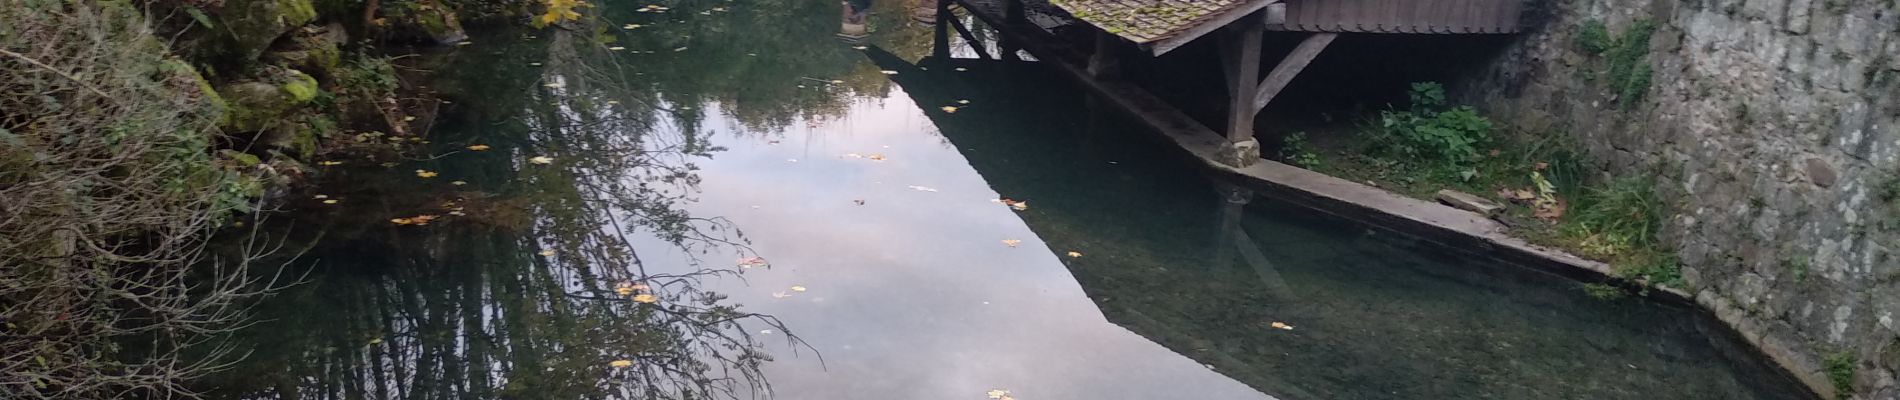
1771, 126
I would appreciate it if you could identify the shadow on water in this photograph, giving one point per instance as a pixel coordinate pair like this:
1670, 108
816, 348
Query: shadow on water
1299, 304
513, 271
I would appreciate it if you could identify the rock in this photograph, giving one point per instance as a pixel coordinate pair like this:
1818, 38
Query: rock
311, 49
252, 25
1821, 173
257, 105
432, 23
1469, 202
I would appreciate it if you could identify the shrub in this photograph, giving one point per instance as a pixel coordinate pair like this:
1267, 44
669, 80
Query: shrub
1432, 134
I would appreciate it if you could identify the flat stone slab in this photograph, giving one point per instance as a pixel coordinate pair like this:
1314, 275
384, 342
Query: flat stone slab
1468, 202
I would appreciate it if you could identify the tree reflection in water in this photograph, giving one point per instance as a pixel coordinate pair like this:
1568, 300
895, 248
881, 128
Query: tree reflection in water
525, 285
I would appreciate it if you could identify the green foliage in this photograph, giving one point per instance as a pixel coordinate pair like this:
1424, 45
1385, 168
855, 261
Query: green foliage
1630, 72
1594, 38
1431, 134
1295, 151
1620, 222
1800, 266
1840, 372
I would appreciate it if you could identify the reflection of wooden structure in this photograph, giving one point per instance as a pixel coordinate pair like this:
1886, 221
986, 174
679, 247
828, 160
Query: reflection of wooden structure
1160, 26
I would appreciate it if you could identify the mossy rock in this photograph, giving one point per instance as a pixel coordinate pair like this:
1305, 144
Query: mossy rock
433, 24
187, 79
252, 25
310, 49
257, 105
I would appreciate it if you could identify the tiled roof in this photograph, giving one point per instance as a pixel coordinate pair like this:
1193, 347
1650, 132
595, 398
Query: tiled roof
1145, 21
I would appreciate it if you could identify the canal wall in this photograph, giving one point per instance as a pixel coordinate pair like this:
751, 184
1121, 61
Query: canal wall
1771, 127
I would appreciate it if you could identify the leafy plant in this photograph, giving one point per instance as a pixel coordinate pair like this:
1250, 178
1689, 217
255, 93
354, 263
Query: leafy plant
1620, 222
1593, 37
1295, 151
1431, 133
1630, 72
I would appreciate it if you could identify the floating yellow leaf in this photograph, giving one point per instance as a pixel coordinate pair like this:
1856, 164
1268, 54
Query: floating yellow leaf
547, 253
961, 69
330, 201
631, 26
949, 109
541, 160
375, 340
458, 183
616, 48
624, 290
859, 47
425, 173
458, 213
998, 393
963, 102
320, 196
477, 147
329, 163
1281, 325
1020, 205
888, 72
464, 43
1011, 242
682, 48
407, 118
1075, 254
620, 363
876, 157
645, 298
798, 288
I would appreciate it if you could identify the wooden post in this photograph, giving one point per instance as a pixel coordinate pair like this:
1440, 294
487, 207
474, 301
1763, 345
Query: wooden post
975, 43
1102, 63
1243, 57
940, 47
1290, 67
1013, 18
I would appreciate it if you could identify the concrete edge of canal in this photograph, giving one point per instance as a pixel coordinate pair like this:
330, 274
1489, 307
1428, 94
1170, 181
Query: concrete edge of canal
1456, 229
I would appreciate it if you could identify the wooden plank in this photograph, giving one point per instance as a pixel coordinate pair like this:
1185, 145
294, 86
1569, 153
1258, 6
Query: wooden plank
1362, 15
1391, 22
1240, 106
1290, 67
1420, 19
1309, 15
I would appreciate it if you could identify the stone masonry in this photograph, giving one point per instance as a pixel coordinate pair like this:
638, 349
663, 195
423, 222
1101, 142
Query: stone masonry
1773, 128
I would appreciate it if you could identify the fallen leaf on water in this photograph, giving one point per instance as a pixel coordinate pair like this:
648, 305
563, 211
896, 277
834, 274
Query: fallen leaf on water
780, 295
949, 109
1011, 242
922, 188
963, 101
859, 201
1075, 254
750, 262
837, 81
612, 102
541, 160
477, 147
320, 196
416, 220
620, 363
853, 155
547, 253
859, 47
888, 72
408, 118
682, 48
331, 201
1281, 325
375, 340
645, 298
534, 64
630, 26
720, 9
876, 157
624, 290
765, 331
961, 69
616, 48
791, 160
798, 288
458, 183
998, 393
329, 163
464, 43
1020, 205
425, 173
458, 213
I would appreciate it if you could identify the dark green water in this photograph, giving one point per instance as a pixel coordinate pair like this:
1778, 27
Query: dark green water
763, 136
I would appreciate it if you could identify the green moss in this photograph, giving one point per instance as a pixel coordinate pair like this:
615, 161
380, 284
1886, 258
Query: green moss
301, 87
1604, 291
179, 68
1594, 38
1630, 71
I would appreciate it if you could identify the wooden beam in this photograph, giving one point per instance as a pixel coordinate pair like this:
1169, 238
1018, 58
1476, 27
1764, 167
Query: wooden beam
1244, 11
1289, 67
1102, 62
1245, 49
940, 46
975, 44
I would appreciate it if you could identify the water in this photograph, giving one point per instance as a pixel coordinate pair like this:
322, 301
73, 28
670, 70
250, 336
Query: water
887, 258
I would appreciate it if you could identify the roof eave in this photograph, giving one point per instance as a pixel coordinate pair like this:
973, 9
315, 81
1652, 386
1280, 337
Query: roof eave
1164, 46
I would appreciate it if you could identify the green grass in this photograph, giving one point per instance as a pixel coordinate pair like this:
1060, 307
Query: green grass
1840, 372
1594, 38
1630, 71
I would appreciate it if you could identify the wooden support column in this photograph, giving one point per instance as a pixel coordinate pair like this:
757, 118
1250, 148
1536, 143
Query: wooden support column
1102, 63
970, 38
1290, 67
1241, 59
1013, 17
940, 47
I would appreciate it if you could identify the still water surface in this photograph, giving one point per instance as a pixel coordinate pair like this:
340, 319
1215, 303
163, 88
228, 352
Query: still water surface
858, 213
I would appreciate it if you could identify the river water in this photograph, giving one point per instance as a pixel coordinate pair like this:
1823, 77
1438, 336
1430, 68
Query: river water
735, 202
